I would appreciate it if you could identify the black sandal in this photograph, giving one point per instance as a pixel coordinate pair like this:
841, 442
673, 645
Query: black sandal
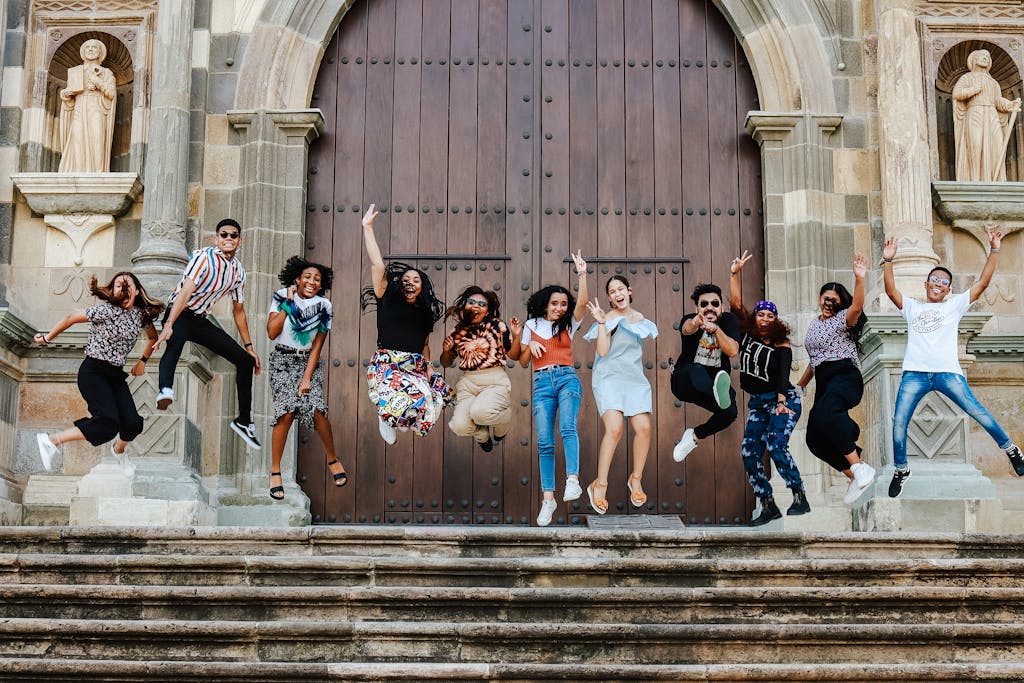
276, 492
341, 478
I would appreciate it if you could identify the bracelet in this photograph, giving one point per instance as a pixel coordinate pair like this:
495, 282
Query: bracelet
247, 345
886, 260
144, 358
994, 251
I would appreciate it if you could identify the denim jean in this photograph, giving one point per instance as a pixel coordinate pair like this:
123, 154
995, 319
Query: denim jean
915, 385
766, 430
556, 390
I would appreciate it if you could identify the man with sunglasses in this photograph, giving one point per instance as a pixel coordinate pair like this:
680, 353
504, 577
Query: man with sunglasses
211, 273
931, 362
710, 337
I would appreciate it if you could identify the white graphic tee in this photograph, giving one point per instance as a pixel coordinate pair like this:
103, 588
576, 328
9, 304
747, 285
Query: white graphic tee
932, 333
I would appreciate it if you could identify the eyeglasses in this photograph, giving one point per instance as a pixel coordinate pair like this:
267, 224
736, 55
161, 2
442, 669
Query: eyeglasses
714, 303
228, 235
476, 302
936, 280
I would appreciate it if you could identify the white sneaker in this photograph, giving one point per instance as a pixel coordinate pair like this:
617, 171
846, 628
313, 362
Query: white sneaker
685, 445
547, 508
164, 398
387, 431
852, 493
863, 474
47, 451
572, 489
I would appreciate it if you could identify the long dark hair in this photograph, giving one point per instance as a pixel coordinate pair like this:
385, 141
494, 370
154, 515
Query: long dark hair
537, 307
393, 272
776, 333
293, 268
458, 309
149, 306
845, 301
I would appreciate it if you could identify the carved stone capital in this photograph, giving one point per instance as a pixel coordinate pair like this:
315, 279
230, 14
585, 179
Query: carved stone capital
766, 126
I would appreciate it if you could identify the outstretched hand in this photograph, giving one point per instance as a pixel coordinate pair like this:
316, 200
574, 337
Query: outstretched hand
995, 237
515, 326
537, 349
581, 265
860, 266
889, 248
740, 261
595, 310
370, 216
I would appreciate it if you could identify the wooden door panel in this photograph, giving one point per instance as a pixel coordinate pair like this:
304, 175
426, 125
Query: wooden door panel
496, 136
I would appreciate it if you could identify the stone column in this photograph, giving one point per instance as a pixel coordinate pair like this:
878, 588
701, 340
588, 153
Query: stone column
161, 255
904, 153
274, 153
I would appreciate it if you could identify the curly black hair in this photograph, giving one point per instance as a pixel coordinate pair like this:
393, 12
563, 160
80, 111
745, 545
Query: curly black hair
293, 268
537, 307
458, 309
150, 307
776, 333
845, 301
393, 272
705, 288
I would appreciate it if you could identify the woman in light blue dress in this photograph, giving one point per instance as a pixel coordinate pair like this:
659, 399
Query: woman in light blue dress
621, 389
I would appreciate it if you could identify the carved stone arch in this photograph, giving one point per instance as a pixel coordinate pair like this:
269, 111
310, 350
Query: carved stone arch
283, 56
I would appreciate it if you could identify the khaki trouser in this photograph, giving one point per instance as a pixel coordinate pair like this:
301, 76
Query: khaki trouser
483, 399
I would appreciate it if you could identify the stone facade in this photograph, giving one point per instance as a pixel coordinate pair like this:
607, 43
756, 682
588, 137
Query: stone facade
854, 135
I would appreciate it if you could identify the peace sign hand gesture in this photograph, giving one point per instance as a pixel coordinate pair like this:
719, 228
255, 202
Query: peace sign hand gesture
595, 310
740, 261
581, 265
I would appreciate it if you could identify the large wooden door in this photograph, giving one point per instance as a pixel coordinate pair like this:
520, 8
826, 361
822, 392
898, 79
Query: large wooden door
496, 136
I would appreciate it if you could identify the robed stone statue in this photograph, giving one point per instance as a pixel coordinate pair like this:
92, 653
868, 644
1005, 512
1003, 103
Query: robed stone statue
87, 113
982, 122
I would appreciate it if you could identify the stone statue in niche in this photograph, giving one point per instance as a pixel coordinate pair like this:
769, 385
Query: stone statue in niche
983, 122
87, 113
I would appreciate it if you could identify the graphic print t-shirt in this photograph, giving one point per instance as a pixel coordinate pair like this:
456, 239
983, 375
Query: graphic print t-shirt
703, 348
932, 333
306, 319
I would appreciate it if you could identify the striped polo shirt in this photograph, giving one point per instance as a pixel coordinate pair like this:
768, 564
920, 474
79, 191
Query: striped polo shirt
214, 275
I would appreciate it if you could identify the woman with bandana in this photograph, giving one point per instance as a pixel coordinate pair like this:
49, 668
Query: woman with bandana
774, 405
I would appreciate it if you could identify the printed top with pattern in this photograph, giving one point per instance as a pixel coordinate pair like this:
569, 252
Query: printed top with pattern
558, 349
829, 340
306, 319
113, 333
215, 275
482, 346
764, 368
702, 348
932, 333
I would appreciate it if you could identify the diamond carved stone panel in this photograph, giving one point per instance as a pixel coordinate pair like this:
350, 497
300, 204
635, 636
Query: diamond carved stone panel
937, 429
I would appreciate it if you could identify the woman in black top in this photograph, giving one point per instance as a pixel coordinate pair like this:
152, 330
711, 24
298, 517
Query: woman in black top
774, 406
408, 393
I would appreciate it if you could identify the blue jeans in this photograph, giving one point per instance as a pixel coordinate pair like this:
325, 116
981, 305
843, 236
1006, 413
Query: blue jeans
557, 389
915, 385
764, 430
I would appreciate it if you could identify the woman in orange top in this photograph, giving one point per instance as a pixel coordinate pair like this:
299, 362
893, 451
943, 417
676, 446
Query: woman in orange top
547, 342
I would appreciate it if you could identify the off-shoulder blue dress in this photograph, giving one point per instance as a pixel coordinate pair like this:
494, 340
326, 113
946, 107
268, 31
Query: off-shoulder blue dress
618, 379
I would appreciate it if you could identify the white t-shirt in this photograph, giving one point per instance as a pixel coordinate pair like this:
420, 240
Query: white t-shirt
542, 328
932, 333
306, 318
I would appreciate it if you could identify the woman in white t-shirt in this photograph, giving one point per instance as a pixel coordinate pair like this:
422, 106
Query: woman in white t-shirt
298, 321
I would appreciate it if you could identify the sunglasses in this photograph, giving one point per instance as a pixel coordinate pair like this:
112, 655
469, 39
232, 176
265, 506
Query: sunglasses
228, 235
936, 280
714, 303
476, 302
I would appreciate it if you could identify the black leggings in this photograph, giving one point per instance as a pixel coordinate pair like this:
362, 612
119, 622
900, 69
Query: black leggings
831, 432
111, 406
190, 327
694, 383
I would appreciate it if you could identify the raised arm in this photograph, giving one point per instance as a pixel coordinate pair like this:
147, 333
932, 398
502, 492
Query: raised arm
995, 239
888, 253
860, 269
735, 295
377, 268
583, 295
604, 342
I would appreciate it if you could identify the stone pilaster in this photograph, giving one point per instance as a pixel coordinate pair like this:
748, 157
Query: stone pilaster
161, 255
274, 152
904, 152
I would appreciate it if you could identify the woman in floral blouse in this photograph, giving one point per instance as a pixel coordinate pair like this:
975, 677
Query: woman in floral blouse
124, 310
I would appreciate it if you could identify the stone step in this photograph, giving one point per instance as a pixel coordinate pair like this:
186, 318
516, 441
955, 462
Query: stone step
46, 669
509, 542
224, 570
586, 605
481, 642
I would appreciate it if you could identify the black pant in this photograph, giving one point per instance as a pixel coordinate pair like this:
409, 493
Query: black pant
190, 327
111, 406
694, 383
831, 432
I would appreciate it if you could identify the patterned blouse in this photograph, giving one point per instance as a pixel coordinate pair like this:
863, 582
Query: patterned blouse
113, 333
829, 340
483, 346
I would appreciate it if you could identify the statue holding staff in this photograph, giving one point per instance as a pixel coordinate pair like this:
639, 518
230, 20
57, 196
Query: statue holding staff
983, 122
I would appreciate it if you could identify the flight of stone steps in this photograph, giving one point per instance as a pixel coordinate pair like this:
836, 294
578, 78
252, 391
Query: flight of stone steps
511, 604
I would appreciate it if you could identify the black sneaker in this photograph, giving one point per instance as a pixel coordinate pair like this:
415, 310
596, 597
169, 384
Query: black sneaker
899, 477
1016, 459
769, 512
800, 505
486, 446
247, 432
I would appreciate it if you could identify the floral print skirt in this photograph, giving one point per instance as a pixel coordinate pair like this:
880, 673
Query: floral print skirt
286, 371
406, 391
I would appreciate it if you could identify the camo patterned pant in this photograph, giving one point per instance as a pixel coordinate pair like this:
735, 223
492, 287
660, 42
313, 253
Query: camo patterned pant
764, 430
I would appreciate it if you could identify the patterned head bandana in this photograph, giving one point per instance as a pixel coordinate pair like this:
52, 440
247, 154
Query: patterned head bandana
766, 306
